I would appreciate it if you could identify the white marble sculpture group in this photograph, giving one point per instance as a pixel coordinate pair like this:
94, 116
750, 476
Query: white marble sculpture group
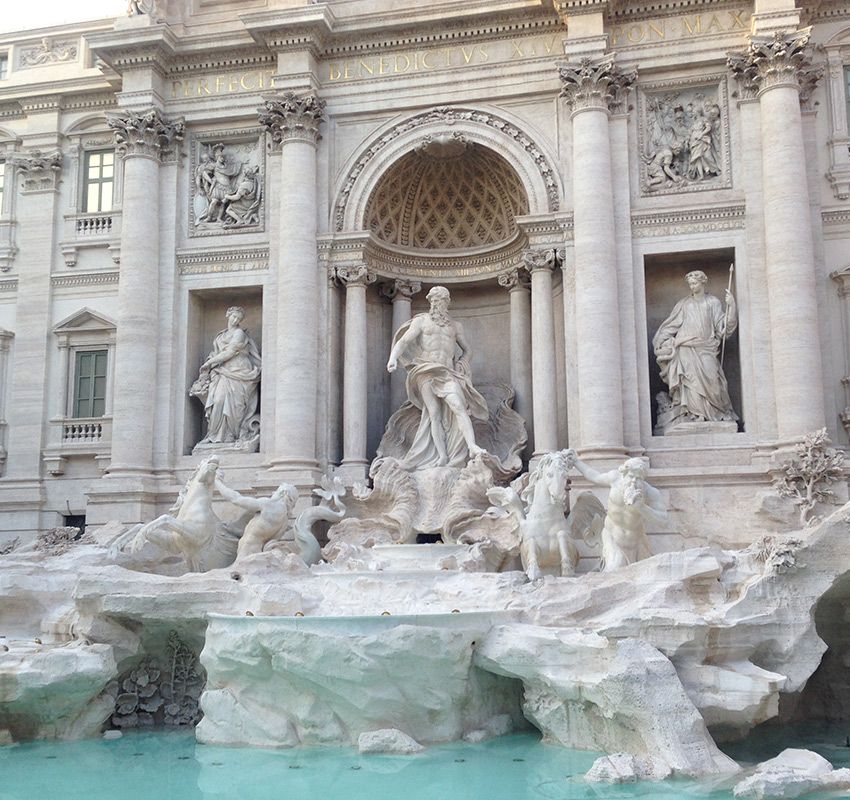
616, 659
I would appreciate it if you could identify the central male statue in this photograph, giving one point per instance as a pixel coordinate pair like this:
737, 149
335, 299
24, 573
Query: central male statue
439, 385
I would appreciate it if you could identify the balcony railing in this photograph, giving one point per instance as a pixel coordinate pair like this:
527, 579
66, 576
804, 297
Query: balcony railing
80, 431
94, 225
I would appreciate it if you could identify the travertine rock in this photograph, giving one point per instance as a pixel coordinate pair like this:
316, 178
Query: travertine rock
590, 693
793, 773
625, 768
388, 740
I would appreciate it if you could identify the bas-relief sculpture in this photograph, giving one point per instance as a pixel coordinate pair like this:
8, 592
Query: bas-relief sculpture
687, 347
684, 141
228, 187
228, 386
48, 51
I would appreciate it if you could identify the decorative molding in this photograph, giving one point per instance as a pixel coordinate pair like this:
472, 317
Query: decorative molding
47, 52
9, 285
783, 59
668, 112
835, 218
595, 84
292, 117
693, 220
448, 115
102, 278
147, 134
358, 275
88, 102
243, 259
39, 171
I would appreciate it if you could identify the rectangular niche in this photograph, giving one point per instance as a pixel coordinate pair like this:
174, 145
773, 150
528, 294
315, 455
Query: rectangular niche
206, 318
683, 136
664, 277
227, 183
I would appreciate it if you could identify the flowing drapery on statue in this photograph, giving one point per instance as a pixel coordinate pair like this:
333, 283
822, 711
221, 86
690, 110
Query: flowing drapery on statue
687, 347
439, 387
228, 386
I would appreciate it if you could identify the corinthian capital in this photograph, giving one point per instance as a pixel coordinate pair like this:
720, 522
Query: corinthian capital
291, 117
595, 83
783, 59
514, 278
147, 134
39, 171
355, 276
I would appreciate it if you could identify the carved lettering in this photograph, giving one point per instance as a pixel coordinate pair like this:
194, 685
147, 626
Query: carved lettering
226, 83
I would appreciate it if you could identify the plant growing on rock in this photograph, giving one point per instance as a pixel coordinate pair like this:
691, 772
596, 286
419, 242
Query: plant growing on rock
807, 477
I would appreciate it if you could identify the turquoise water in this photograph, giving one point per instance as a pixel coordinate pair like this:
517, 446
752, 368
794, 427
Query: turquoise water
171, 766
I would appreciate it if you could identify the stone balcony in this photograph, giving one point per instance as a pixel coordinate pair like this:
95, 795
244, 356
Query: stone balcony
101, 229
78, 437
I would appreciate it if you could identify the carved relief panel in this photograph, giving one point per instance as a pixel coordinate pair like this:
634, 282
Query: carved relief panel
683, 136
227, 194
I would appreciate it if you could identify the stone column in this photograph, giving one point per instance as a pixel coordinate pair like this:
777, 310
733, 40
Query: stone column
293, 123
141, 140
401, 294
779, 68
593, 88
354, 384
6, 338
516, 282
540, 264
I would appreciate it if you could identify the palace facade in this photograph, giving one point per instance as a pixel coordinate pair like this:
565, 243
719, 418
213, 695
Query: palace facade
559, 165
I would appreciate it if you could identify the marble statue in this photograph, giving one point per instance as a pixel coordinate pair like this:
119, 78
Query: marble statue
687, 347
538, 503
228, 190
439, 385
272, 518
228, 386
271, 515
632, 502
191, 529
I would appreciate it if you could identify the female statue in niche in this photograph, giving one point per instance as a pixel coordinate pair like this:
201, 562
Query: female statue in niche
687, 347
228, 386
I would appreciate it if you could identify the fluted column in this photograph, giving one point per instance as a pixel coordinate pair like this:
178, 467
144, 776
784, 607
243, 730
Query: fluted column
540, 264
354, 383
400, 293
778, 68
516, 282
141, 139
293, 123
593, 88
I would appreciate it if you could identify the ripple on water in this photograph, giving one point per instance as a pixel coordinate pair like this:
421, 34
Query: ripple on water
170, 765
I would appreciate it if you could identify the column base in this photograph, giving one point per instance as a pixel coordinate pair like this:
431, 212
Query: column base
353, 471
604, 455
126, 497
303, 474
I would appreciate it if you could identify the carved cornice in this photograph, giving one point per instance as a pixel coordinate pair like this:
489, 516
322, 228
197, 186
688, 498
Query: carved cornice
783, 59
401, 289
595, 84
9, 285
358, 275
85, 279
39, 171
689, 220
243, 259
292, 117
539, 260
147, 134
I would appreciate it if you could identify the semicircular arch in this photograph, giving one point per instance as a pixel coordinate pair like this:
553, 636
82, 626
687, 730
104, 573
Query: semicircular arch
495, 130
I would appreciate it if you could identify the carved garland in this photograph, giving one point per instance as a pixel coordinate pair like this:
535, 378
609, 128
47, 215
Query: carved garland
449, 116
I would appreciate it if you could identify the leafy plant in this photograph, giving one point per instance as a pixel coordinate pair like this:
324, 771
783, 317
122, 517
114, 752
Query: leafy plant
806, 478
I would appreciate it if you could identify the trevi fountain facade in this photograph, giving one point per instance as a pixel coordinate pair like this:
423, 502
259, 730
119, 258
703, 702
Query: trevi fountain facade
392, 373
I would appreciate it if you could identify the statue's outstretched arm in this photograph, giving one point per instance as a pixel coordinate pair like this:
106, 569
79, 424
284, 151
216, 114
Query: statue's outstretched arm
232, 496
599, 478
654, 508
